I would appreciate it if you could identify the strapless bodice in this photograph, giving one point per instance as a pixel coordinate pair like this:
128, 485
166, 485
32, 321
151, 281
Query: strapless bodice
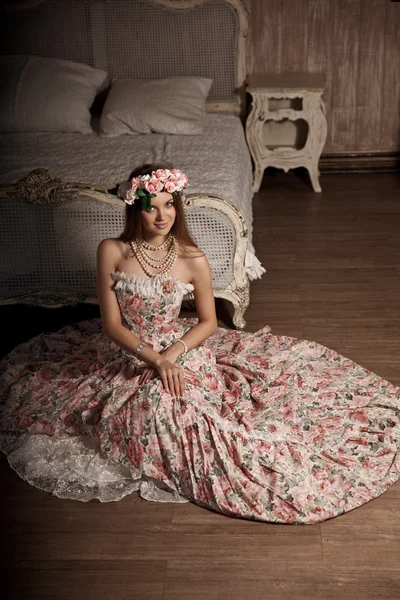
150, 306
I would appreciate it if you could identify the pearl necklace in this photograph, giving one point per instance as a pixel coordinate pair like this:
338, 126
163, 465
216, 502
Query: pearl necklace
151, 258
162, 265
148, 246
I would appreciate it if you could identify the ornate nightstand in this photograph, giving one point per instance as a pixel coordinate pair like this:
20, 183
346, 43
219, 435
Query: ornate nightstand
286, 127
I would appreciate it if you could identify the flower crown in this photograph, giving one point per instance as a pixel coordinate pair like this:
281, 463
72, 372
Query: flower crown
145, 187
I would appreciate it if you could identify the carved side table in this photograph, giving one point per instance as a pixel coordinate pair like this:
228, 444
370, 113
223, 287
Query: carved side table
286, 127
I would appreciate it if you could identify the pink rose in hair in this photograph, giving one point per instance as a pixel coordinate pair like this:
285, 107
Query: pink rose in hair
170, 186
162, 174
185, 180
181, 183
135, 183
153, 185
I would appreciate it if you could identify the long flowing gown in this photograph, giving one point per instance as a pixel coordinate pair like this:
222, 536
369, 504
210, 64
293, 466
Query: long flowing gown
270, 427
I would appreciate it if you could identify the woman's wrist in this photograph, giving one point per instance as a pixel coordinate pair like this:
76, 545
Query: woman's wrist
173, 351
146, 354
181, 343
138, 349
154, 359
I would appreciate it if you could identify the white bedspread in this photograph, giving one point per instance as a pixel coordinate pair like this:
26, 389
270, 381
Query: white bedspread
217, 162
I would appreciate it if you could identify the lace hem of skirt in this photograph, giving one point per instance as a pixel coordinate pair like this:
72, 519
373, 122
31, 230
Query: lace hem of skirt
72, 468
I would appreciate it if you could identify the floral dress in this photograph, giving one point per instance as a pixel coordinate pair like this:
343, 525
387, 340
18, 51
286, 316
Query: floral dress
270, 427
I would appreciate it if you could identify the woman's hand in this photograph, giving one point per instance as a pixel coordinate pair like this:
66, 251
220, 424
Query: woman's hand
171, 376
172, 352
147, 375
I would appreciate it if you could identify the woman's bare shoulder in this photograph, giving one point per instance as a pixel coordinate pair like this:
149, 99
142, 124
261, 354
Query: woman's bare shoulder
111, 248
111, 245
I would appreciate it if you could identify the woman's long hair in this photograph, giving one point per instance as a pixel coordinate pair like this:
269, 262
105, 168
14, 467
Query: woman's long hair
133, 220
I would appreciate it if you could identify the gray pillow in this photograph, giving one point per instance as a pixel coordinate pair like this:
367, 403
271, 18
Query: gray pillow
174, 105
46, 94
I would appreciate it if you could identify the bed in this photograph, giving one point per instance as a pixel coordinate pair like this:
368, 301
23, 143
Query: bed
54, 185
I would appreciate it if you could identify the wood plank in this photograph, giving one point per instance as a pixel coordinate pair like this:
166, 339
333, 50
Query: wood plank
390, 133
304, 542
294, 36
370, 91
108, 580
343, 126
265, 40
346, 34
364, 536
319, 51
285, 580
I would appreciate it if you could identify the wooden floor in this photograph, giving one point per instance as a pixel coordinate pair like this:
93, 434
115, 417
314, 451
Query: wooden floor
333, 275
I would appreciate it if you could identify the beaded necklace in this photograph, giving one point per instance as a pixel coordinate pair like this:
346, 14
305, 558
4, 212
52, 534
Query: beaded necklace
165, 243
161, 265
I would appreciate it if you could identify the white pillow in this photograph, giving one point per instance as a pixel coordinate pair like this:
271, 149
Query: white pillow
46, 94
174, 105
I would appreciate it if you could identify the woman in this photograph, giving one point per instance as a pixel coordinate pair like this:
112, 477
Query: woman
155, 241
250, 425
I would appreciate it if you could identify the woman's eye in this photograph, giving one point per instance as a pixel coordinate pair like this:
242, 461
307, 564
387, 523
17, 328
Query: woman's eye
170, 204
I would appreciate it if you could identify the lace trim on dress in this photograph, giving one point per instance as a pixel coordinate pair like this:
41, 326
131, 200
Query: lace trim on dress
72, 468
150, 287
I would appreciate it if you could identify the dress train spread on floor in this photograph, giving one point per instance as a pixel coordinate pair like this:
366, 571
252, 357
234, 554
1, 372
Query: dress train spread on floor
270, 427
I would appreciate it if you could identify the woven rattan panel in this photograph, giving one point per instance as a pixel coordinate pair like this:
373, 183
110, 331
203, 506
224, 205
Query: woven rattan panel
214, 233
154, 41
54, 247
131, 38
56, 29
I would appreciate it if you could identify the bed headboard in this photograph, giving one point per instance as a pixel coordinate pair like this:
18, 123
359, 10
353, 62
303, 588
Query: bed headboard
143, 39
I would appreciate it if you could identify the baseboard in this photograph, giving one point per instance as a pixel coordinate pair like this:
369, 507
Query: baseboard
359, 163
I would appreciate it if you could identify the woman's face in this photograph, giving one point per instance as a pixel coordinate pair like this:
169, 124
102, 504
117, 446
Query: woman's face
160, 216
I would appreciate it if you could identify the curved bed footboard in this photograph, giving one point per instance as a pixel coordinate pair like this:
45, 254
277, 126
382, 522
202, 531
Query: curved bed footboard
50, 230
225, 242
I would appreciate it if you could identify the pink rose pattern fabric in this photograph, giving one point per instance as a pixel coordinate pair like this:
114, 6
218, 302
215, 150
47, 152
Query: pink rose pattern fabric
270, 428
